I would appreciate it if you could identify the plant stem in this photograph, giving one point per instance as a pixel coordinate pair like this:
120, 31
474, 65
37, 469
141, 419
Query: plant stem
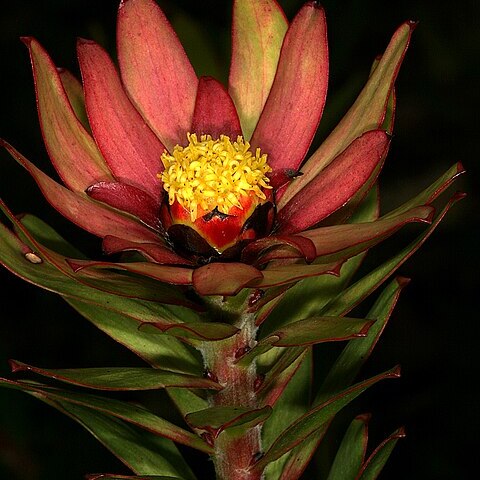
234, 453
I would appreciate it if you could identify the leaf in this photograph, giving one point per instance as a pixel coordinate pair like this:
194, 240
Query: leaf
142, 451
297, 97
74, 90
311, 331
215, 113
307, 297
163, 352
357, 292
355, 354
72, 150
119, 379
258, 29
294, 399
224, 278
344, 370
159, 78
352, 170
186, 401
203, 331
368, 112
215, 420
96, 218
137, 415
109, 476
375, 463
351, 453
313, 420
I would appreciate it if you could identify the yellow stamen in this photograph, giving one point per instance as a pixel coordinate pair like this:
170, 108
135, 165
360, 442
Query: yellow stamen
211, 174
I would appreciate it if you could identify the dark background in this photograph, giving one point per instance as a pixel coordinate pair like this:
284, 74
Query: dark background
434, 328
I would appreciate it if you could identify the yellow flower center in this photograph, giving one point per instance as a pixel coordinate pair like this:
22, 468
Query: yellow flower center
209, 174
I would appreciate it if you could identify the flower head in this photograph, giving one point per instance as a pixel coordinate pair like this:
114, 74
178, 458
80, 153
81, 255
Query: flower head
213, 185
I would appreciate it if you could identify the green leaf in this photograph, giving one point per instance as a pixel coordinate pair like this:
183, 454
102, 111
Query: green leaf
215, 420
202, 331
375, 463
316, 418
307, 297
46, 235
367, 113
163, 352
282, 367
119, 379
356, 293
351, 453
137, 415
355, 354
186, 401
74, 90
259, 27
16, 255
432, 192
143, 452
295, 400
311, 331
345, 369
106, 476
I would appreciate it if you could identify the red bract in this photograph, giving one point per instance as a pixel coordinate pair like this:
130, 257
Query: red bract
275, 99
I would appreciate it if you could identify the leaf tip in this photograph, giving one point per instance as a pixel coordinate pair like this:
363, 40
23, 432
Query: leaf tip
16, 366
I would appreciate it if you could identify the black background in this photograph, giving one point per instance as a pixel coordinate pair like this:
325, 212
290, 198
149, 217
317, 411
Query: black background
434, 328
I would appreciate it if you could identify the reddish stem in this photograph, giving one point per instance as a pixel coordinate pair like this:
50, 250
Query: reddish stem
234, 453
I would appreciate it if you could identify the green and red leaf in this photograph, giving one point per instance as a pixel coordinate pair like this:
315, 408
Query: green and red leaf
159, 79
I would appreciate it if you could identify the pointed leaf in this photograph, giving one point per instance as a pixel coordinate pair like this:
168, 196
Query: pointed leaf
375, 463
79, 209
367, 113
355, 354
162, 273
119, 379
186, 401
128, 198
295, 104
341, 241
130, 148
215, 113
110, 476
344, 371
351, 453
337, 184
305, 248
164, 352
154, 252
274, 276
432, 192
137, 415
295, 400
74, 90
198, 331
141, 451
224, 278
357, 292
39, 265
318, 330
70, 147
159, 79
258, 29
215, 420
313, 420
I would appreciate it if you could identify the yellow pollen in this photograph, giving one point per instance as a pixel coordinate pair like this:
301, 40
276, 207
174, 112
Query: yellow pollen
209, 174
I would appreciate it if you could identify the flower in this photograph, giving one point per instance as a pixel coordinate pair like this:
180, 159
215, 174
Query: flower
210, 184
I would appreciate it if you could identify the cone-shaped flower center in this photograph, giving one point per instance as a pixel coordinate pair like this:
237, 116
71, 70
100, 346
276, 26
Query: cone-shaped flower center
211, 174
